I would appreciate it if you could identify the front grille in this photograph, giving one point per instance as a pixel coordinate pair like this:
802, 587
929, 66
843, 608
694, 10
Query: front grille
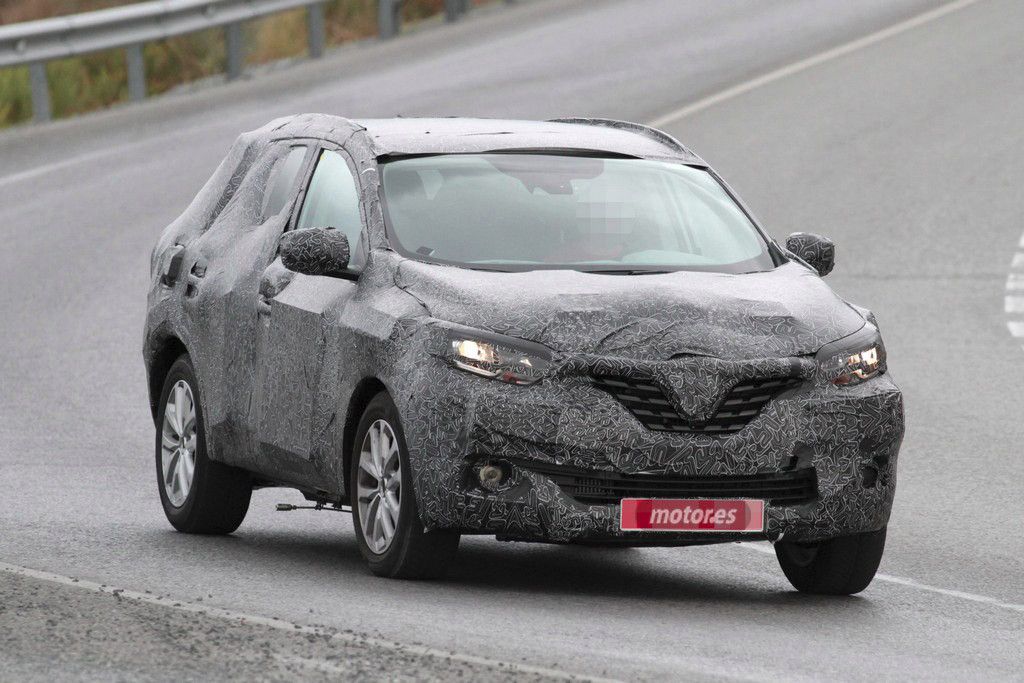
648, 403
778, 488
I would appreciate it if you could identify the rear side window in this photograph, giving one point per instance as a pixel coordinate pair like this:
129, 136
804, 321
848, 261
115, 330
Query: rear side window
333, 199
228, 177
281, 184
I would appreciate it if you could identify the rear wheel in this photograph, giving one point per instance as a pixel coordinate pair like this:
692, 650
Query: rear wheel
838, 566
199, 496
384, 514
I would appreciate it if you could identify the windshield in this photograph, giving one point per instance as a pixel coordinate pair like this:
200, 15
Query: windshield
528, 211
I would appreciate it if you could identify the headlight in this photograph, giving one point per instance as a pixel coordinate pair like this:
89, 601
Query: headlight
853, 359
498, 357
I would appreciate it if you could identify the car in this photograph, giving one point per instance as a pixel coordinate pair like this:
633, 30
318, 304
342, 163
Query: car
567, 331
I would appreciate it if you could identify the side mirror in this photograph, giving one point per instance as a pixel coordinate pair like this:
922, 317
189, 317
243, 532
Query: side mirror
819, 252
316, 251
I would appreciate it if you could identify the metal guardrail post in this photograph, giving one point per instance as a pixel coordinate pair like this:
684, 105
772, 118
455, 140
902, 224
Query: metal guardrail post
235, 50
316, 30
387, 18
451, 10
455, 8
136, 73
41, 110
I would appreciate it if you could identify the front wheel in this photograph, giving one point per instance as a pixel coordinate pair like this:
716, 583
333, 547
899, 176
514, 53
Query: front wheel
199, 496
838, 566
384, 514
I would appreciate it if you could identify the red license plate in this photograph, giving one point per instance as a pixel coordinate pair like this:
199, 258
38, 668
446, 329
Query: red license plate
647, 514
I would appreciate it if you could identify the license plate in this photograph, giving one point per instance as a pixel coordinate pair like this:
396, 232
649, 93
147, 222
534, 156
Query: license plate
647, 514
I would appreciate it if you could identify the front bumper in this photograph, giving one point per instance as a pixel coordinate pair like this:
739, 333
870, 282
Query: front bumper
850, 436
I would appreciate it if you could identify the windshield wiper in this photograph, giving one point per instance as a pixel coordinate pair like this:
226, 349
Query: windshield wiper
624, 271
486, 269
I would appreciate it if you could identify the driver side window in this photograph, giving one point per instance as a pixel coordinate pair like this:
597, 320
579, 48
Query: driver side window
332, 200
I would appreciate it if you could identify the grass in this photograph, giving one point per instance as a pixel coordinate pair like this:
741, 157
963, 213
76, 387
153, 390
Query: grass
97, 80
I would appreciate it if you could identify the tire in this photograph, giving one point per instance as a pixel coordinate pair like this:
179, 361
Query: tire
409, 552
838, 566
217, 497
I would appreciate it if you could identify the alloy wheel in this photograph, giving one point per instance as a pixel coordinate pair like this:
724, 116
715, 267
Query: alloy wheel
178, 443
379, 486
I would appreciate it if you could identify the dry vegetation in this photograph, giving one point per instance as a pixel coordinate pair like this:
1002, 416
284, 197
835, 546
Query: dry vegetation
85, 83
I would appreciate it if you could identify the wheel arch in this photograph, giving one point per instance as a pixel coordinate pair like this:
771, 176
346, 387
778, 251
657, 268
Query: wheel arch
365, 390
165, 351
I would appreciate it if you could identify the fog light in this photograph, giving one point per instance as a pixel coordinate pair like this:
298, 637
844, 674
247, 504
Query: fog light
491, 476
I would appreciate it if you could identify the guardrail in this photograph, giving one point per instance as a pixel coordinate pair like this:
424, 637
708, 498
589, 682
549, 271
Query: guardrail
34, 43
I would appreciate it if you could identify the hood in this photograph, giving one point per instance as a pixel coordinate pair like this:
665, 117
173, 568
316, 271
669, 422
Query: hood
780, 313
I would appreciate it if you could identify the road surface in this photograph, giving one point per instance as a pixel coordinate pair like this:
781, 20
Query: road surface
905, 146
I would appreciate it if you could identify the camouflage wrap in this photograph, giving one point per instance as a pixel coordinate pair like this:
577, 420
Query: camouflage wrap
286, 361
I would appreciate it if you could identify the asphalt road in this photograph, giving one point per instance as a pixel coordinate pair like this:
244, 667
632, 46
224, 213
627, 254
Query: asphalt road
907, 151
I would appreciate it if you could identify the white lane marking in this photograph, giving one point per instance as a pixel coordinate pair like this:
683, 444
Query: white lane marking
911, 583
814, 60
45, 169
115, 151
290, 627
1013, 302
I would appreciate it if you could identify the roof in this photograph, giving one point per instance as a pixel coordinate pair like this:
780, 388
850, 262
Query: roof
401, 136
443, 135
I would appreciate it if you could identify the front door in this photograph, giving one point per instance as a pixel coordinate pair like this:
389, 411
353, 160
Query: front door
295, 405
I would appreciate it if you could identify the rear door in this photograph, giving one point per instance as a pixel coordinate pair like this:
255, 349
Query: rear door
220, 272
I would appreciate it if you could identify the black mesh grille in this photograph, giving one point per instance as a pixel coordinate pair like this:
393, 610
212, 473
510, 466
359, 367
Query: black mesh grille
648, 403
778, 488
